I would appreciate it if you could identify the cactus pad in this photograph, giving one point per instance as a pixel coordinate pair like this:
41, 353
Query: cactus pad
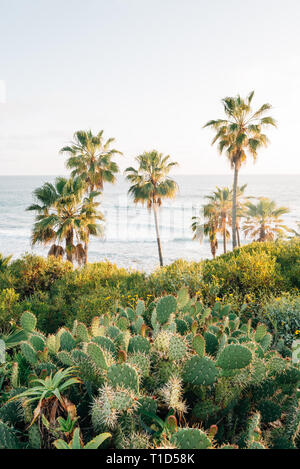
165, 307
234, 356
200, 371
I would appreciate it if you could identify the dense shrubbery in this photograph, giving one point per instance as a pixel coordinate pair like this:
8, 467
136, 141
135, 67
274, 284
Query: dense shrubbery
175, 374
259, 268
248, 279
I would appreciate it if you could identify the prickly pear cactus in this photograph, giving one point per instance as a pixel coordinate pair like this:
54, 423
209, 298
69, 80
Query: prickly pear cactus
164, 308
191, 438
200, 371
123, 375
8, 438
234, 356
28, 321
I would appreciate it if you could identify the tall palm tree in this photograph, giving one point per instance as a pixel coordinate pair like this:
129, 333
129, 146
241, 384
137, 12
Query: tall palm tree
62, 216
90, 157
264, 220
240, 134
150, 184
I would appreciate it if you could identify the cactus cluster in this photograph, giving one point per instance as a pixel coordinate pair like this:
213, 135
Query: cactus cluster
146, 371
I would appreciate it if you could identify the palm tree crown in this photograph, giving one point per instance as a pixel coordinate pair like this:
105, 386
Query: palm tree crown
150, 183
62, 215
90, 157
264, 220
240, 134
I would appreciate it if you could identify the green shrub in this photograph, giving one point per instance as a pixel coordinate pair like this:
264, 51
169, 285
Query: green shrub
246, 279
283, 316
171, 278
244, 273
8, 303
33, 273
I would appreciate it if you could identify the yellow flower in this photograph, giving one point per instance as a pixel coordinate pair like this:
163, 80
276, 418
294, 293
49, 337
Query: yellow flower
297, 332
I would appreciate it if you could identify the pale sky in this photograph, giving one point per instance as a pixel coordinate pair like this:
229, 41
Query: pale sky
150, 73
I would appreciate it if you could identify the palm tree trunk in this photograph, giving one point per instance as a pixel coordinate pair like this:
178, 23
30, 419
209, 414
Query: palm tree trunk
224, 240
262, 233
69, 245
155, 210
234, 204
86, 250
238, 237
213, 249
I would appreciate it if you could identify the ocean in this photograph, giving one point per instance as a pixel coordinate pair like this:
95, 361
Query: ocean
130, 239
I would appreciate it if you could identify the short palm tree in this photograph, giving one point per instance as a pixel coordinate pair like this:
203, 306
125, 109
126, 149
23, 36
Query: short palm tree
90, 216
240, 134
216, 214
61, 215
90, 157
241, 209
220, 204
264, 220
4, 261
297, 232
150, 184
209, 228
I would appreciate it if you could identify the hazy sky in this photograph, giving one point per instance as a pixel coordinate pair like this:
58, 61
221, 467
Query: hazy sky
148, 72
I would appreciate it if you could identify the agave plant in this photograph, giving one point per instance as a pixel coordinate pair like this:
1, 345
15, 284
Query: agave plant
13, 338
77, 443
48, 393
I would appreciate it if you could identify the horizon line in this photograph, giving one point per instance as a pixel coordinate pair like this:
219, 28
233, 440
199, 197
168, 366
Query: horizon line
180, 174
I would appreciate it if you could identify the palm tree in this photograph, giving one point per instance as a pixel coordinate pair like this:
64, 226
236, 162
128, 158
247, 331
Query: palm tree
221, 201
241, 209
209, 228
297, 233
151, 184
264, 220
90, 157
89, 218
216, 215
240, 134
61, 215
4, 261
